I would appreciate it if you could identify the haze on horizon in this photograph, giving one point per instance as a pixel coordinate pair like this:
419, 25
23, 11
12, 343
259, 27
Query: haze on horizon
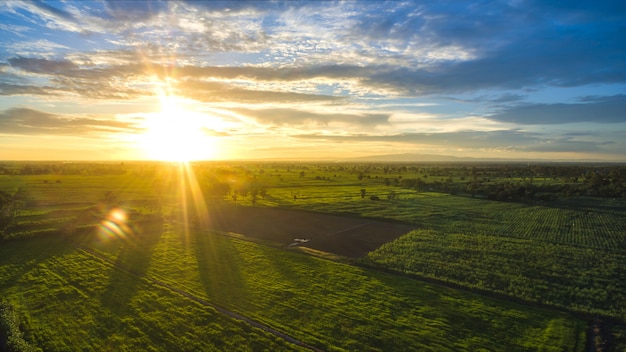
195, 80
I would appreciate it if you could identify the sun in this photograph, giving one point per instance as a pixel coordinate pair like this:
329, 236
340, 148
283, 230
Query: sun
177, 133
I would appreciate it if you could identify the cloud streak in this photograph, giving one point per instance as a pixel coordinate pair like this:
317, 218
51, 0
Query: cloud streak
597, 110
24, 121
512, 141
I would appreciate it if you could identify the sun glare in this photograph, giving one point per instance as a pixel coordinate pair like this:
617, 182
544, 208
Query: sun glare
176, 133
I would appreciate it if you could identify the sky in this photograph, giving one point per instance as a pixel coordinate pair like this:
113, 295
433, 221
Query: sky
319, 80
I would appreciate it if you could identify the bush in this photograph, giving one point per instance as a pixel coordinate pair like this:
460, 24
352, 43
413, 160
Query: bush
11, 338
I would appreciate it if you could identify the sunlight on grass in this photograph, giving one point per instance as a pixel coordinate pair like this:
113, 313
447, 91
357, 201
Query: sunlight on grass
192, 203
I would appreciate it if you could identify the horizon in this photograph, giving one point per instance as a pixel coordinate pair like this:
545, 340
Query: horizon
372, 159
311, 80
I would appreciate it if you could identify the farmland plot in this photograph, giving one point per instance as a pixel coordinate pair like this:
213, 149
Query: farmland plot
345, 236
576, 278
68, 300
341, 307
599, 224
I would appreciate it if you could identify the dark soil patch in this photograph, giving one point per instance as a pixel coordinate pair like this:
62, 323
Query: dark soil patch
345, 236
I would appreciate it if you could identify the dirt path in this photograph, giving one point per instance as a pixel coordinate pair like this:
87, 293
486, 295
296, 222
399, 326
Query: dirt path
202, 301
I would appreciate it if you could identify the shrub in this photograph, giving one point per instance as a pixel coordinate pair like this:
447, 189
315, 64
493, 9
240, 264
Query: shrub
11, 338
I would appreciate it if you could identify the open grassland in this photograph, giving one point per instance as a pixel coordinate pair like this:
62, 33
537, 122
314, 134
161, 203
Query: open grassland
68, 299
76, 190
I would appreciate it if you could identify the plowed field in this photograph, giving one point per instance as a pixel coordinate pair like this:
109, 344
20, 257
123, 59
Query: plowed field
346, 236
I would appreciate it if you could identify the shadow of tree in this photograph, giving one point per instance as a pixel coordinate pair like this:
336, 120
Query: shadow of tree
24, 255
219, 268
132, 263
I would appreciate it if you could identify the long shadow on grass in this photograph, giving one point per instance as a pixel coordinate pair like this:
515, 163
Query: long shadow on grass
134, 255
219, 268
26, 254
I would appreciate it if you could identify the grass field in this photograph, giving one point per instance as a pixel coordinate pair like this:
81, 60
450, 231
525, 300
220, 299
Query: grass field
564, 276
57, 288
566, 253
68, 300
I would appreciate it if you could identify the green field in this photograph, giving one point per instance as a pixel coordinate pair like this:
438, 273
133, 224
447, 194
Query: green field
68, 300
58, 288
159, 280
571, 277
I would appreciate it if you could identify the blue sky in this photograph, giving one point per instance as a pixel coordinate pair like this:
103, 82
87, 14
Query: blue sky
312, 80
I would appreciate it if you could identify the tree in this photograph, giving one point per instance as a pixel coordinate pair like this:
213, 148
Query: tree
6, 210
212, 187
110, 198
12, 203
472, 187
20, 198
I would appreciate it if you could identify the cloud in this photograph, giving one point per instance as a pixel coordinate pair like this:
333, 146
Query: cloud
14, 29
503, 140
293, 117
212, 91
36, 65
15, 89
242, 5
567, 145
514, 47
41, 47
52, 17
89, 81
98, 81
277, 74
593, 109
135, 10
51, 11
381, 48
68, 69
469, 139
24, 121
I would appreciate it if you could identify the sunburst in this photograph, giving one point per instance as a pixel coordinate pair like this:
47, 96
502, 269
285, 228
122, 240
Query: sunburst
177, 133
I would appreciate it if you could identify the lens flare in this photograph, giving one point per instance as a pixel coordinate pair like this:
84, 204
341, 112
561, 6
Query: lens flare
114, 225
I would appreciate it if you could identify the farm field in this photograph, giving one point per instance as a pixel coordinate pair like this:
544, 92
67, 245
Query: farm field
329, 305
591, 223
565, 253
341, 235
68, 300
575, 278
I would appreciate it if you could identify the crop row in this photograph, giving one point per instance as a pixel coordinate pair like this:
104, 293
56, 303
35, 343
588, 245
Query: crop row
583, 226
580, 279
